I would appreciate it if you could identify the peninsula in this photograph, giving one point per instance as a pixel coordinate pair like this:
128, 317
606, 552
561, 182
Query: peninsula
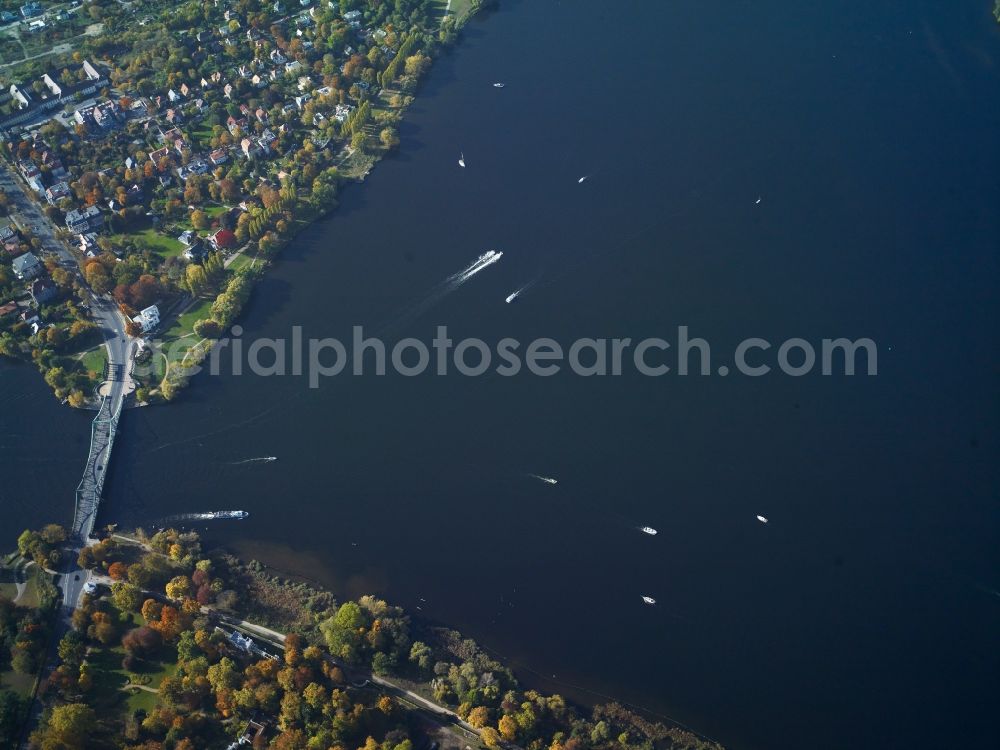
157, 156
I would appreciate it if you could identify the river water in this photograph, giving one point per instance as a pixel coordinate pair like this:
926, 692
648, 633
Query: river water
866, 613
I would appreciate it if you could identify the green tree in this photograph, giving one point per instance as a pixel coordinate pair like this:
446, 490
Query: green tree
68, 728
127, 597
343, 631
72, 649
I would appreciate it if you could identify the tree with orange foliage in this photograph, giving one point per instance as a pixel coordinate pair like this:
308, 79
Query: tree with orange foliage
508, 728
118, 571
151, 610
479, 717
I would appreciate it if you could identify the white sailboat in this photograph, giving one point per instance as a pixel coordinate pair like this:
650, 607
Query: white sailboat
461, 160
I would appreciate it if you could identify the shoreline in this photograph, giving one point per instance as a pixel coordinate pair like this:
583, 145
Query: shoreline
352, 164
580, 696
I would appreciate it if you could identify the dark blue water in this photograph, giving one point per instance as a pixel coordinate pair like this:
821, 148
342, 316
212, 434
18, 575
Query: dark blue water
864, 614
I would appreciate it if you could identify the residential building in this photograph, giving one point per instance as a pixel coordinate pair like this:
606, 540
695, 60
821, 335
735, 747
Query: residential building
43, 290
27, 266
223, 239
84, 220
148, 319
57, 192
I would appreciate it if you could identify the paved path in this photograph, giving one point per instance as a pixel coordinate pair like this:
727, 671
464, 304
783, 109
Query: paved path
442, 713
133, 686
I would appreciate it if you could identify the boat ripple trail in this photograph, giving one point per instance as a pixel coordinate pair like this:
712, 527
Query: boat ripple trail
209, 516
547, 480
521, 291
445, 288
261, 460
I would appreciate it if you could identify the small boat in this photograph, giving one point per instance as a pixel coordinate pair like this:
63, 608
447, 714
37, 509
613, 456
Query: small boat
461, 160
648, 530
498, 85
759, 200
512, 297
649, 600
547, 480
762, 519
581, 180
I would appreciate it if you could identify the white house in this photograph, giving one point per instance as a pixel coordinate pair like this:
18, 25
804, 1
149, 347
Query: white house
148, 319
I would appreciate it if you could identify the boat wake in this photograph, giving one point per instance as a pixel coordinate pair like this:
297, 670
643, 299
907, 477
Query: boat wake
457, 279
445, 288
547, 480
214, 515
261, 460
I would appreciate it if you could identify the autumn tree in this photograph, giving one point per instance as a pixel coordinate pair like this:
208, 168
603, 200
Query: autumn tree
68, 728
126, 596
142, 641
508, 728
479, 717
97, 276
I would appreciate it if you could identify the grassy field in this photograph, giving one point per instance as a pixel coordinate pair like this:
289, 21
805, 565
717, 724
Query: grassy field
182, 330
111, 681
184, 324
18, 683
240, 262
212, 212
30, 596
201, 135
459, 8
95, 359
168, 247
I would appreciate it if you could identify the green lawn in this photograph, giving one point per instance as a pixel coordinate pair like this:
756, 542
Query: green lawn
111, 681
184, 323
9, 573
18, 683
202, 135
95, 359
182, 329
30, 596
150, 238
240, 262
459, 8
211, 212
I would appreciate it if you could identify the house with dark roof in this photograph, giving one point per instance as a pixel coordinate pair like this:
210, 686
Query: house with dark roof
27, 266
43, 290
84, 220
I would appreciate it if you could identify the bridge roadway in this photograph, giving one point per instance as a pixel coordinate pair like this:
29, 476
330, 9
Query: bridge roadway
113, 393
